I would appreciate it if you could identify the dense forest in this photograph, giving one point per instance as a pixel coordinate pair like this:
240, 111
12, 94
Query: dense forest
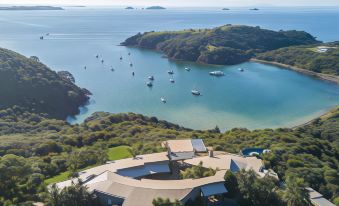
27, 83
227, 44
307, 57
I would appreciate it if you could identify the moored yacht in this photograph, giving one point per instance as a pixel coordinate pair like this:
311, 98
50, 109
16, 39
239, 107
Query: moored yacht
217, 73
187, 69
170, 72
149, 84
151, 77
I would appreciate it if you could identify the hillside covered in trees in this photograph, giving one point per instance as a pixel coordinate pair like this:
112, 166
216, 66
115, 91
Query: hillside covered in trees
34, 148
307, 57
223, 45
27, 83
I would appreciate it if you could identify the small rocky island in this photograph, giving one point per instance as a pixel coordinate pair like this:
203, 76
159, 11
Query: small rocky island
224, 45
18, 8
156, 7
129, 8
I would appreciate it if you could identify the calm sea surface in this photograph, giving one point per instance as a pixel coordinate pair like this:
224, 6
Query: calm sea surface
261, 96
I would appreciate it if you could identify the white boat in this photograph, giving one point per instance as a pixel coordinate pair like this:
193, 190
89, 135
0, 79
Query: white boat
170, 72
195, 92
151, 78
241, 69
172, 80
163, 99
187, 69
149, 84
217, 73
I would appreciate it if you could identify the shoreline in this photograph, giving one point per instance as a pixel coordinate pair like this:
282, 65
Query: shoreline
324, 77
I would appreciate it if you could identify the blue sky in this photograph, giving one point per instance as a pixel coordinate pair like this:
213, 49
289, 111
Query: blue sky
181, 3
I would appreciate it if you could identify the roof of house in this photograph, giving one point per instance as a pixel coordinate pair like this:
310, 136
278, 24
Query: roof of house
184, 145
317, 198
142, 192
229, 162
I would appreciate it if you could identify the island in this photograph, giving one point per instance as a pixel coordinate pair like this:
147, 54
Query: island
225, 9
156, 7
224, 45
29, 84
18, 8
129, 7
254, 9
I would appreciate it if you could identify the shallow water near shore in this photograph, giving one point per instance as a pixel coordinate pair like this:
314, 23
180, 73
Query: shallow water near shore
260, 97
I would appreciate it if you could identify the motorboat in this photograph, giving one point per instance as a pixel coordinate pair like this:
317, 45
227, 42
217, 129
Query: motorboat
195, 92
172, 80
163, 99
187, 69
217, 73
241, 69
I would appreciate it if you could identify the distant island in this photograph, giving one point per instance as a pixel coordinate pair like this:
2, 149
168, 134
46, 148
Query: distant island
225, 9
225, 45
18, 8
155, 7
254, 9
129, 7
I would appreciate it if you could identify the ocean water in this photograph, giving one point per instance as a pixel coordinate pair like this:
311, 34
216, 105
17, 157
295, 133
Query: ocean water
260, 97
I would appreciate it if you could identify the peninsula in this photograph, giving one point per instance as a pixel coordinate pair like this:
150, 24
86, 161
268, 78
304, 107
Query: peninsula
27, 83
225, 45
18, 8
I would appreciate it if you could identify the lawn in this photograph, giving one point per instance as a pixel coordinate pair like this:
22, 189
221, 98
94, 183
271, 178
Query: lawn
120, 152
113, 153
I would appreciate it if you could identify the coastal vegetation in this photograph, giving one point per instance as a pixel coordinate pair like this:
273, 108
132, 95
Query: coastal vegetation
27, 83
34, 148
320, 58
155, 7
229, 44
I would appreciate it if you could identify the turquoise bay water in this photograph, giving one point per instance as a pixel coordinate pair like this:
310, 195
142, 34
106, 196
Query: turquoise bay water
261, 96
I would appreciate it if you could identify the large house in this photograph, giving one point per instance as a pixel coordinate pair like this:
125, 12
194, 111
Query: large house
139, 180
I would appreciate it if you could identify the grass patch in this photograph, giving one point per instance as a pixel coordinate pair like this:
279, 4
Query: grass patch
114, 153
120, 152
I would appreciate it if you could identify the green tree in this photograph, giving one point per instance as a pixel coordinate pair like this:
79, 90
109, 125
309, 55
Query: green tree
296, 193
165, 202
231, 183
